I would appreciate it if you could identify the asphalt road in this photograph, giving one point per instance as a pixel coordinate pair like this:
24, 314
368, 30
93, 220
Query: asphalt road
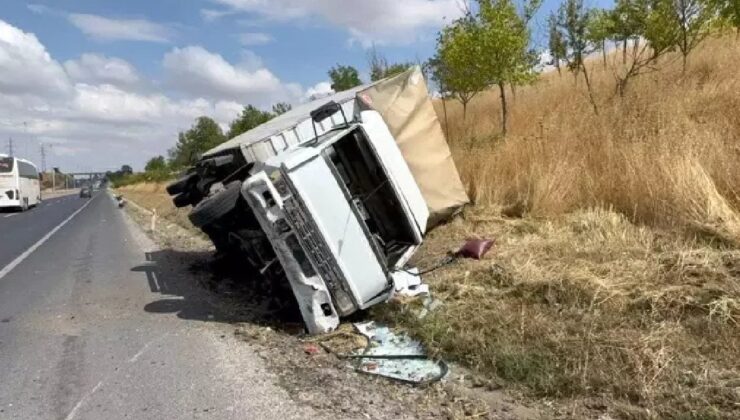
81, 336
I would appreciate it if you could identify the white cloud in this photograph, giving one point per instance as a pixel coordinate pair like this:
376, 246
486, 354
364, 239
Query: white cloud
26, 67
99, 112
380, 21
255, 38
39, 9
108, 29
317, 91
91, 123
200, 72
211, 15
96, 68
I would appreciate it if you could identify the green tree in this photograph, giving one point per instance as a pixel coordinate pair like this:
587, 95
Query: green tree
156, 164
599, 29
379, 67
556, 44
250, 117
191, 144
281, 108
692, 20
649, 20
572, 23
458, 53
344, 77
435, 70
729, 11
506, 54
628, 20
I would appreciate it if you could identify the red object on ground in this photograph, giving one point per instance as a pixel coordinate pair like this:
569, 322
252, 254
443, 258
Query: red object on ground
311, 349
475, 248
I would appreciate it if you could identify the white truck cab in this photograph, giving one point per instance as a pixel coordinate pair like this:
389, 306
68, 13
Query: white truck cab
334, 206
343, 214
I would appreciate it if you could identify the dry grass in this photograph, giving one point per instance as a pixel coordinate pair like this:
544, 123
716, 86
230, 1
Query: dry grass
152, 195
615, 281
668, 154
591, 310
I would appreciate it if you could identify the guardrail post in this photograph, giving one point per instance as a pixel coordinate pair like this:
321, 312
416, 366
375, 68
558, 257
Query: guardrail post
154, 219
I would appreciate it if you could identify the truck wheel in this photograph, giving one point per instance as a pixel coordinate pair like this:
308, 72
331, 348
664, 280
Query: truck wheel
182, 200
216, 206
181, 184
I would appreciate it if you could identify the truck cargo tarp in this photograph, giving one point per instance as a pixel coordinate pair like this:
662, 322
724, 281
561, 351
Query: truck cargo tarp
404, 103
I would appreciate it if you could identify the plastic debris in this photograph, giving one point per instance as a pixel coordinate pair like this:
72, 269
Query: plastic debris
475, 248
311, 349
408, 283
396, 356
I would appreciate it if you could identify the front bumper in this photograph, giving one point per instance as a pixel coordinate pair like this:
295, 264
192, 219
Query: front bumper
315, 302
6, 201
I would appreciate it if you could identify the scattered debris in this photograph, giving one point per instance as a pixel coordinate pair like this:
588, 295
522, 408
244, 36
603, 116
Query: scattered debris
396, 356
311, 349
475, 248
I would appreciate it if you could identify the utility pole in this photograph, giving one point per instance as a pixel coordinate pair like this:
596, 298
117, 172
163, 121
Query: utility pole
10, 146
43, 158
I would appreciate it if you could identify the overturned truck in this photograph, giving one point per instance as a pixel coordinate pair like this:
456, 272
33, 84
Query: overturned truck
333, 197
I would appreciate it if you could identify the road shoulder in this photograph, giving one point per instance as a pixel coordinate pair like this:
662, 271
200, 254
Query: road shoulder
318, 380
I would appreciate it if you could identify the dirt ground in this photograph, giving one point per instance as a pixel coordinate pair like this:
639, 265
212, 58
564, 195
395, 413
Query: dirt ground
321, 380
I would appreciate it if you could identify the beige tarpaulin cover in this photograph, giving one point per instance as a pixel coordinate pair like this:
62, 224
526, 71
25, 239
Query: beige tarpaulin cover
404, 103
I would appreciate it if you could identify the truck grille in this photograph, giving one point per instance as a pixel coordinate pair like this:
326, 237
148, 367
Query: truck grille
314, 245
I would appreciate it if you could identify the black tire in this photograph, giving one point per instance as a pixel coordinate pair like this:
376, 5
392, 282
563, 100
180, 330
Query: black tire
182, 200
213, 208
181, 184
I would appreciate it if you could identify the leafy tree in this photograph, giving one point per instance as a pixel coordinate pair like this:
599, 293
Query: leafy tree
191, 144
435, 71
344, 77
556, 44
156, 164
729, 11
281, 108
459, 50
599, 29
649, 20
488, 47
126, 170
505, 36
251, 117
628, 20
692, 20
572, 23
379, 67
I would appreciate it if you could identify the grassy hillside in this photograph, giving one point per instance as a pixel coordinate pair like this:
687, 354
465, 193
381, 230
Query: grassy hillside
614, 284
668, 154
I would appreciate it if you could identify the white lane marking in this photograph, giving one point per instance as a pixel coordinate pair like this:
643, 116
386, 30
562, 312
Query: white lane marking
8, 268
77, 406
11, 215
109, 376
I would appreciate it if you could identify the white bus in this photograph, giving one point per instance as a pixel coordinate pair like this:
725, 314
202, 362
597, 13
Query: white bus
19, 183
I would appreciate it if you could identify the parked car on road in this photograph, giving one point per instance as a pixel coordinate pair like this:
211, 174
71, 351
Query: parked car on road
85, 192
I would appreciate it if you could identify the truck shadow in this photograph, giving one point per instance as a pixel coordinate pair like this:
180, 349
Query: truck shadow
196, 286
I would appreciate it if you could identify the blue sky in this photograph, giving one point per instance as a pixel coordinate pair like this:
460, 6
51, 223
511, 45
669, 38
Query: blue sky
108, 83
